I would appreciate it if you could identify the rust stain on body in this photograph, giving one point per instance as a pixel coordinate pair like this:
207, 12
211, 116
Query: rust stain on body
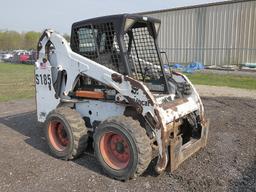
172, 105
117, 78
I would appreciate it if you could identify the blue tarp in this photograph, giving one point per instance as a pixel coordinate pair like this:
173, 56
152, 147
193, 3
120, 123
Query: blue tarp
177, 66
190, 68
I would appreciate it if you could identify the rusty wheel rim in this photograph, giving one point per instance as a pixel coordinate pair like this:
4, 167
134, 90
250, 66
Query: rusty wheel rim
57, 135
115, 150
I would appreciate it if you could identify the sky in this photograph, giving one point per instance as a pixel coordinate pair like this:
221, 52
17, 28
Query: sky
32, 15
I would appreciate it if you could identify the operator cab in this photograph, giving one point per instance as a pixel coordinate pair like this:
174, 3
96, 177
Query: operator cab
125, 43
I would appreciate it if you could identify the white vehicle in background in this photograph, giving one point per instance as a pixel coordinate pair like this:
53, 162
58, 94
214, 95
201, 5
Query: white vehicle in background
7, 56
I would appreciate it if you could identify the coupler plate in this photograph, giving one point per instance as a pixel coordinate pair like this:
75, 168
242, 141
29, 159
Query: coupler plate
179, 152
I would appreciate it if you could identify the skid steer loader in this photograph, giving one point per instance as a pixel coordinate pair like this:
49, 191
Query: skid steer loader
110, 85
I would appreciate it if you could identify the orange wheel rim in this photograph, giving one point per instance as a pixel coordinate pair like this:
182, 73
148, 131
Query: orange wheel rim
57, 135
115, 150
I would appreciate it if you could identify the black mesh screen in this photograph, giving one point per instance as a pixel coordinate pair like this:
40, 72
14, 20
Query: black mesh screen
142, 54
99, 43
143, 57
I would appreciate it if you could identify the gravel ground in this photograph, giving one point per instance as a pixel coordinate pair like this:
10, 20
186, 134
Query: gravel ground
228, 163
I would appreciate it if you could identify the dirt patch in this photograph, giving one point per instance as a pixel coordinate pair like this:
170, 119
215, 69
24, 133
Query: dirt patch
214, 91
228, 163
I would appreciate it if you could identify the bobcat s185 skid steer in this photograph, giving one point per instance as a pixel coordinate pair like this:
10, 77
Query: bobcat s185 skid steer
110, 85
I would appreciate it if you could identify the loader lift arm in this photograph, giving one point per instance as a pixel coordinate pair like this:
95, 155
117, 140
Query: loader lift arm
74, 64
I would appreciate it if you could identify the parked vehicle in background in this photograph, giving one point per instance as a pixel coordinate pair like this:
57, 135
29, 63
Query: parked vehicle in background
15, 56
7, 57
24, 57
20, 57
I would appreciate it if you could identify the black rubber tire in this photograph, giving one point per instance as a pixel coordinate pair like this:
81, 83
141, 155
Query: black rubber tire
141, 150
76, 131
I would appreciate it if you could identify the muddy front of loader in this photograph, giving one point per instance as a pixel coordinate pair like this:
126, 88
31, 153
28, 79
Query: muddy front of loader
184, 135
179, 124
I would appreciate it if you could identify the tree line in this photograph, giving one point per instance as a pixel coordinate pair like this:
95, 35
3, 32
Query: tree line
11, 40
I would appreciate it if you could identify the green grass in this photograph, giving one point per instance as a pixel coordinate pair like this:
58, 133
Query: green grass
244, 82
16, 81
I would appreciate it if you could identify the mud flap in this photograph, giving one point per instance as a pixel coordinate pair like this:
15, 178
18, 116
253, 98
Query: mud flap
179, 152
